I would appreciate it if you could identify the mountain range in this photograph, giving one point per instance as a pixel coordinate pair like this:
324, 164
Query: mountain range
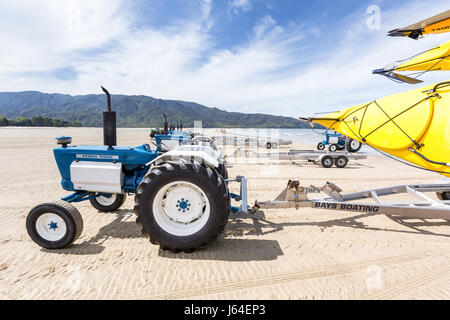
132, 111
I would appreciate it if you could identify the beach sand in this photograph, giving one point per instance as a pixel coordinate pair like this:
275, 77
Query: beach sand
290, 254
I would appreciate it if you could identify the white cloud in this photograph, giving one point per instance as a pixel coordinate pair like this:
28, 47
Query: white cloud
280, 70
42, 35
240, 5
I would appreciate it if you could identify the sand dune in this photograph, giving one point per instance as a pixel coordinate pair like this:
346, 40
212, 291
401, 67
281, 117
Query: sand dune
289, 254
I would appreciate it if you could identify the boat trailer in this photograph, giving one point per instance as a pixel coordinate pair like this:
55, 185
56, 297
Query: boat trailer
321, 157
296, 196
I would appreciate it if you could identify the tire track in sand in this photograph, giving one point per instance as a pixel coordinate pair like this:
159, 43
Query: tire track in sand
284, 277
410, 284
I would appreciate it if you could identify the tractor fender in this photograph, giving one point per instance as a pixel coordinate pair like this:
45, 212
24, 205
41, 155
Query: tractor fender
201, 154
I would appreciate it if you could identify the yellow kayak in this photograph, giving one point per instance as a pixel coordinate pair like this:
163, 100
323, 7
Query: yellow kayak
434, 59
439, 23
413, 126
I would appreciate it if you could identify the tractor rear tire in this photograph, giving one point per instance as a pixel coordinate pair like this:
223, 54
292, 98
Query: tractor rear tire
222, 170
108, 204
54, 225
443, 195
352, 145
182, 206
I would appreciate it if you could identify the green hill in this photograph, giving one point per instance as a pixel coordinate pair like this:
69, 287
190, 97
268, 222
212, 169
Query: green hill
132, 111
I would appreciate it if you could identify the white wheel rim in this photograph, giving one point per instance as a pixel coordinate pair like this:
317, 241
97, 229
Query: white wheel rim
51, 227
106, 200
341, 162
354, 144
328, 162
181, 208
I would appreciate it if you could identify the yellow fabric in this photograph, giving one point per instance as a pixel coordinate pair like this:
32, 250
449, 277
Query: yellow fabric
437, 58
418, 115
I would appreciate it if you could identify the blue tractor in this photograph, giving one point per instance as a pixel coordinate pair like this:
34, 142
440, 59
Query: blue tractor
182, 200
340, 142
170, 137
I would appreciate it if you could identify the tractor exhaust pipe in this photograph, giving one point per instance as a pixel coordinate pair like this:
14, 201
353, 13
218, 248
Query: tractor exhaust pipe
109, 124
166, 125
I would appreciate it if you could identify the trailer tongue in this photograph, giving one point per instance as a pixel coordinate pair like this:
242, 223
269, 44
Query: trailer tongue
296, 196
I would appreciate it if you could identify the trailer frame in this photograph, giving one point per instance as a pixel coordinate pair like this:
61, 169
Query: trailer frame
320, 157
296, 196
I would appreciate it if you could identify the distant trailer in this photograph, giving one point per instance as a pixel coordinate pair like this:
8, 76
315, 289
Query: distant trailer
251, 141
326, 159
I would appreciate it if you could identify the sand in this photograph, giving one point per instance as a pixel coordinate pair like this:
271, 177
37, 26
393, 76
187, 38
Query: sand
290, 254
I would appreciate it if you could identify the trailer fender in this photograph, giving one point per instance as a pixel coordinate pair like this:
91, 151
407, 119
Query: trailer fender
202, 154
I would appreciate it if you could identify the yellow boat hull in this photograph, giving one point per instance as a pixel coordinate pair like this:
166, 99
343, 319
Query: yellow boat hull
413, 126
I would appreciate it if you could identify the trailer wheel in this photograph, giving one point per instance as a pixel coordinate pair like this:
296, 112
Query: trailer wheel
182, 206
327, 162
54, 225
108, 203
320, 146
341, 162
268, 145
443, 195
352, 145
333, 147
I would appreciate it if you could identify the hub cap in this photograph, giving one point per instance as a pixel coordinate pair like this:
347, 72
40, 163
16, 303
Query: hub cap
51, 227
106, 200
181, 208
354, 144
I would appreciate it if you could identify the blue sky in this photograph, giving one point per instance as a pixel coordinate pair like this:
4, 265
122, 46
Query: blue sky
284, 57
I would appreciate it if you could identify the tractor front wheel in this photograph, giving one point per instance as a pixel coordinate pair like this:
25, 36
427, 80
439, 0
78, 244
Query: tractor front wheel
333, 147
182, 206
54, 225
108, 202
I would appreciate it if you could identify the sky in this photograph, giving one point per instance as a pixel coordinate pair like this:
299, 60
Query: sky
282, 57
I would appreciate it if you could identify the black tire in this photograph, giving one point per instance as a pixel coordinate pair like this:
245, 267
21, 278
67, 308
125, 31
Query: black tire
67, 212
352, 145
222, 170
333, 147
327, 162
116, 204
208, 180
268, 145
443, 195
320, 146
341, 162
